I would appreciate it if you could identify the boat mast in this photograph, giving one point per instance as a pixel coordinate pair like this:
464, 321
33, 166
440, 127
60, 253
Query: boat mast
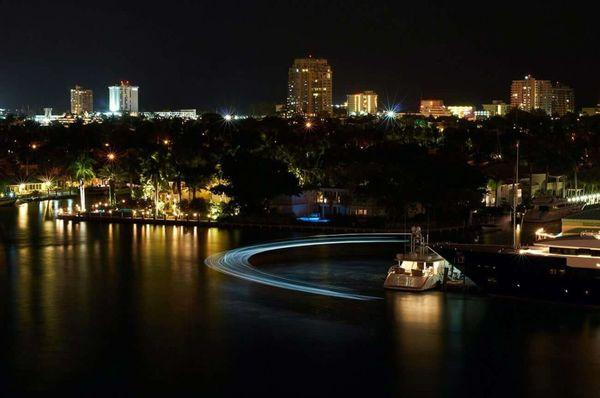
515, 198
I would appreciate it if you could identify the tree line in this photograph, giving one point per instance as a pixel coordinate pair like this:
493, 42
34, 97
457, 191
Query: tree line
438, 163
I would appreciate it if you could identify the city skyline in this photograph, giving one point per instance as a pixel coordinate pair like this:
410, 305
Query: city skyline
225, 62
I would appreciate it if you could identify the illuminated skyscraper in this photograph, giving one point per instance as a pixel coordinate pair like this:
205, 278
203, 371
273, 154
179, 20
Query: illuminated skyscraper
82, 101
123, 98
563, 99
364, 103
310, 87
530, 94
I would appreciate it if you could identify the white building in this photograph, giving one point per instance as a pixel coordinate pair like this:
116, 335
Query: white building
123, 98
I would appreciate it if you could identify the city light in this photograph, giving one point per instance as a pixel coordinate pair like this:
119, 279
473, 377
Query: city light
111, 156
228, 117
390, 114
308, 125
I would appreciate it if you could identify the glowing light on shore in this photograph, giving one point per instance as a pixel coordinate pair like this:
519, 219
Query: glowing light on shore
236, 262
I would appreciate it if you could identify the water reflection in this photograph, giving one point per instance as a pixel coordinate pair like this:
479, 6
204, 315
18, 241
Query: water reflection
129, 309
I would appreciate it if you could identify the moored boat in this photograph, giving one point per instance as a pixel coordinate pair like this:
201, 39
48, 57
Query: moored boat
418, 270
564, 268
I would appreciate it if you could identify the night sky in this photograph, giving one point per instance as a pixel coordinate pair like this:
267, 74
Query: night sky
226, 55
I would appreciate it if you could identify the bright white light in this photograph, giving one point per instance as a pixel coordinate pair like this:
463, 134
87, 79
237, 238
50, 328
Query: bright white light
228, 117
390, 114
236, 262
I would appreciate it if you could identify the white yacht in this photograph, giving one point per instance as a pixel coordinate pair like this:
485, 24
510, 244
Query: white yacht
419, 270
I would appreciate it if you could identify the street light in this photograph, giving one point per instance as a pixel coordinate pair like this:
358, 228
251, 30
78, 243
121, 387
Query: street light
111, 156
308, 125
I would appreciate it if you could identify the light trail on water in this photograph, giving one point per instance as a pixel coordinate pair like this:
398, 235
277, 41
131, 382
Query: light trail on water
236, 262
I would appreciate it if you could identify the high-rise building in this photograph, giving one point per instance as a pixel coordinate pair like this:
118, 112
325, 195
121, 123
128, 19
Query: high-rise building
563, 99
433, 107
530, 94
310, 87
364, 103
82, 101
123, 98
496, 108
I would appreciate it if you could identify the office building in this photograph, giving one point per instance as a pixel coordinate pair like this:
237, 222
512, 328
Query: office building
531, 94
563, 99
310, 88
433, 107
82, 101
123, 98
364, 103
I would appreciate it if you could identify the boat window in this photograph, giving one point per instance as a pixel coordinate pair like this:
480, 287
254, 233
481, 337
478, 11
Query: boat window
562, 250
575, 252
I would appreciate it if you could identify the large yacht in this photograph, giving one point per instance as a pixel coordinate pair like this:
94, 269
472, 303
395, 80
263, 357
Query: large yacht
566, 268
550, 208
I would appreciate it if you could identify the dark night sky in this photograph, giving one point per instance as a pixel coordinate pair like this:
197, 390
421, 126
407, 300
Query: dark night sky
215, 55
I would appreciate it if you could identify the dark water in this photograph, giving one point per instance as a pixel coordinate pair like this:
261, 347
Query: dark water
107, 310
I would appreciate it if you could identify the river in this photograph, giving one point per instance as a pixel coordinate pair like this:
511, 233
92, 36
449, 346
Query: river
97, 310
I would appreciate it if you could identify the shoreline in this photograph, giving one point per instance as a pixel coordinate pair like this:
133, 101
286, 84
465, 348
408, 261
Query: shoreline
117, 219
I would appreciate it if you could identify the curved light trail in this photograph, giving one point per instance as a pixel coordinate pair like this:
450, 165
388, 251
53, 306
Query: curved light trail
236, 262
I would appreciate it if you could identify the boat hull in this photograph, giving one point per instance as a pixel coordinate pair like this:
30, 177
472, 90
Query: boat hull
506, 272
410, 283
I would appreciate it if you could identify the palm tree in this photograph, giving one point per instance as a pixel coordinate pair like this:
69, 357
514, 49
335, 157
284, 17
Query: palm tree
113, 174
157, 170
82, 169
